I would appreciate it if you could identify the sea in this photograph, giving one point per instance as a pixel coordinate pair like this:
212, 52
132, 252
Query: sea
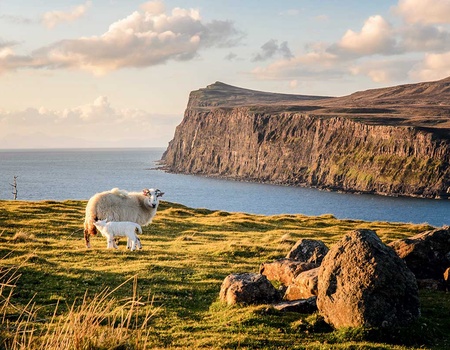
60, 174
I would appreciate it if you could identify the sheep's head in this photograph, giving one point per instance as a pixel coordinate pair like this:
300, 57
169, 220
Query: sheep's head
153, 196
100, 223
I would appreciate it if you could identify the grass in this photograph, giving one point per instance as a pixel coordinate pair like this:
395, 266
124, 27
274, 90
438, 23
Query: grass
56, 294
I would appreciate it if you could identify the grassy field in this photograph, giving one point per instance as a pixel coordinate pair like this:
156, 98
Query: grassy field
56, 294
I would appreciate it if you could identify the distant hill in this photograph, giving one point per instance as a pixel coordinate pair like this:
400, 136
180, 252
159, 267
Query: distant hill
220, 94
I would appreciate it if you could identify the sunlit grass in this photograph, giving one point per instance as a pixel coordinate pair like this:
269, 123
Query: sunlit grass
166, 295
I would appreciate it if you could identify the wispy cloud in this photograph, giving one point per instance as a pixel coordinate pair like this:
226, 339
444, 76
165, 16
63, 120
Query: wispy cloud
271, 48
53, 18
16, 19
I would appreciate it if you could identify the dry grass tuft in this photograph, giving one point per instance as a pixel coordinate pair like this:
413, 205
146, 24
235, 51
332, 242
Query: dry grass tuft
96, 323
22, 237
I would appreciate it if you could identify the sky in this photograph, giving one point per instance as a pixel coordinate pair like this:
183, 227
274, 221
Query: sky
110, 73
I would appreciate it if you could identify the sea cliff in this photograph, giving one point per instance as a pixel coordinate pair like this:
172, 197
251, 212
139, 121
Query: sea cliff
392, 141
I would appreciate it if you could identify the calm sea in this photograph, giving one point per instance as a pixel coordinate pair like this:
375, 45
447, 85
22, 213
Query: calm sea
80, 173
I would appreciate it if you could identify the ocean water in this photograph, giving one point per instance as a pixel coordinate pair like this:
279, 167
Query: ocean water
80, 173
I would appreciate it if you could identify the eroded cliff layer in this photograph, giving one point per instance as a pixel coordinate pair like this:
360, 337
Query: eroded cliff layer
386, 148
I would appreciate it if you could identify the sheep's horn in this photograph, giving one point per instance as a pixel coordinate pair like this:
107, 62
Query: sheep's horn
159, 193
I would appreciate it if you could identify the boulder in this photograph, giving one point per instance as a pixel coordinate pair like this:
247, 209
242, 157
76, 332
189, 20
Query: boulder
447, 279
427, 254
362, 282
248, 288
308, 250
303, 306
284, 270
303, 286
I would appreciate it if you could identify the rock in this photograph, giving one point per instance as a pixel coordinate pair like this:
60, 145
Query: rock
284, 270
248, 288
447, 279
303, 306
303, 286
426, 254
430, 284
308, 250
362, 282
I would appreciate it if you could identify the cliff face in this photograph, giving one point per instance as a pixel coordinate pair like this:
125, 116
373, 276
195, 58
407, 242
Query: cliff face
303, 141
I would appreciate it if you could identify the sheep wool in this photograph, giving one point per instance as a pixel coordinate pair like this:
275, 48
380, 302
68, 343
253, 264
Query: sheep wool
120, 205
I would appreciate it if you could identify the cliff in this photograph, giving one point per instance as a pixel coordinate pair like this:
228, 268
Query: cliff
392, 141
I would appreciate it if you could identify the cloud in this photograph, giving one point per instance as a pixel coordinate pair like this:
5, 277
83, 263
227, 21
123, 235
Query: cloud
434, 66
16, 19
271, 48
424, 11
312, 65
290, 12
293, 84
231, 56
384, 71
144, 38
52, 18
375, 37
424, 38
381, 51
96, 124
153, 7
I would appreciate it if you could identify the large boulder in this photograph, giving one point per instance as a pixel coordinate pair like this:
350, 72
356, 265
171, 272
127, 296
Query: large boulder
303, 286
362, 282
284, 270
308, 250
427, 254
248, 288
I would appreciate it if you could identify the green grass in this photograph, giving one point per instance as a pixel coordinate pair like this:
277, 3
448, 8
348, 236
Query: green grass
54, 290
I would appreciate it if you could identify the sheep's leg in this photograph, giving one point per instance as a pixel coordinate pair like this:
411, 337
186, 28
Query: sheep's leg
109, 242
114, 244
128, 243
138, 243
133, 245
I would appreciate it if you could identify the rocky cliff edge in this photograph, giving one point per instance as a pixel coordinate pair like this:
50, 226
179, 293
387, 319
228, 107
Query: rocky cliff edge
392, 141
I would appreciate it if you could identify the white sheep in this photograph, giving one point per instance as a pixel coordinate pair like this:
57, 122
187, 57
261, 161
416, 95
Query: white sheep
120, 205
112, 229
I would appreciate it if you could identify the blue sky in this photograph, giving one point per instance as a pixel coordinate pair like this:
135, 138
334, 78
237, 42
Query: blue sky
109, 73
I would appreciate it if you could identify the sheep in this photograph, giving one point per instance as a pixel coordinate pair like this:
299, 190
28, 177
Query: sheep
112, 229
120, 205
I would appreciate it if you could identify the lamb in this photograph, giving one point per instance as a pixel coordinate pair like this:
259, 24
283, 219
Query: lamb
120, 205
112, 229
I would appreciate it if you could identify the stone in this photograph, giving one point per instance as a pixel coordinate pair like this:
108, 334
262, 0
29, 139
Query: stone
249, 289
447, 279
303, 306
308, 250
426, 254
362, 282
430, 284
284, 270
303, 286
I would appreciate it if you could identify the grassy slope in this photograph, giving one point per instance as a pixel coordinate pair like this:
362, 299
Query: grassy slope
187, 254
